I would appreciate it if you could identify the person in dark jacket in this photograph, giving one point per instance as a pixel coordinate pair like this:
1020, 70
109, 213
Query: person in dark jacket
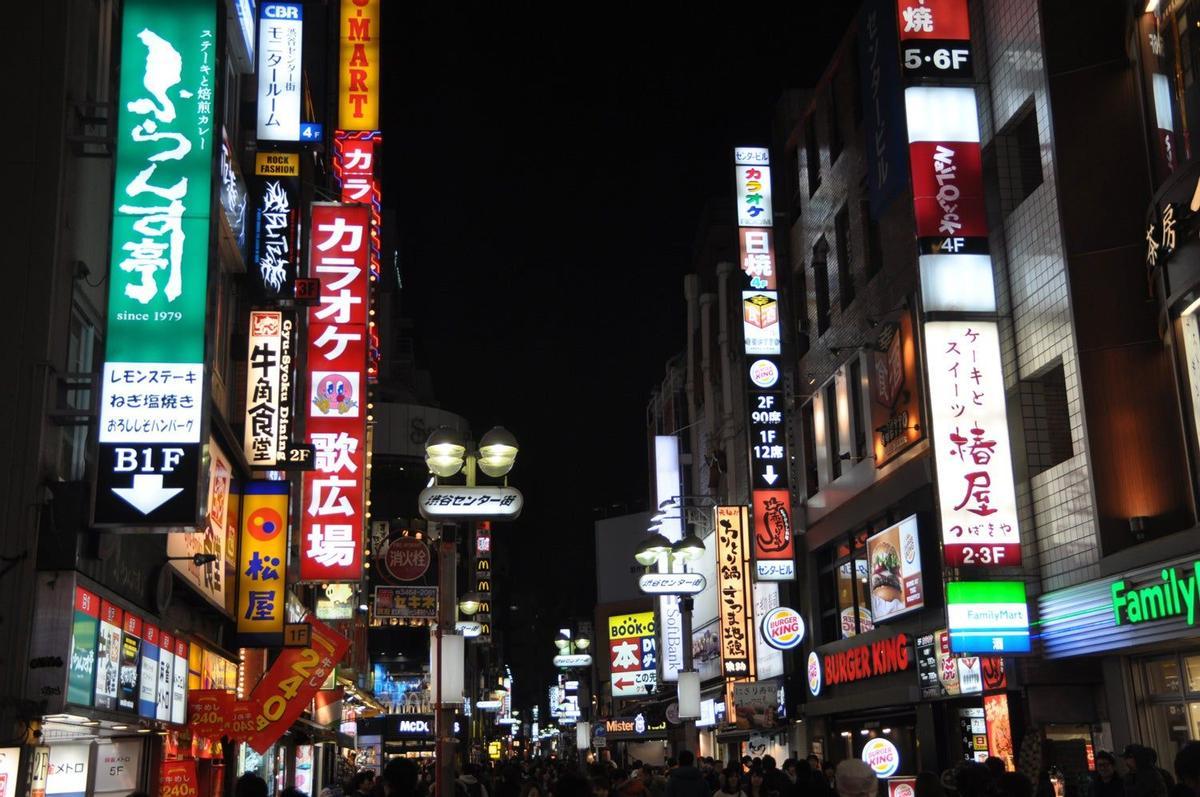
1143, 778
1106, 782
685, 780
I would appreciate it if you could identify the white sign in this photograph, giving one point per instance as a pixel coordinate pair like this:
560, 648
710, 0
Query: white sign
747, 155
970, 675
263, 371
672, 583
814, 674
760, 322
768, 614
668, 487
775, 570
68, 772
573, 660
468, 628
881, 756
971, 444
764, 373
455, 501
118, 766
414, 726
280, 36
151, 402
754, 195
10, 759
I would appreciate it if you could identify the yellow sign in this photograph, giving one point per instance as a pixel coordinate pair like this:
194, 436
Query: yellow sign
624, 626
262, 560
494, 751
358, 71
735, 602
277, 164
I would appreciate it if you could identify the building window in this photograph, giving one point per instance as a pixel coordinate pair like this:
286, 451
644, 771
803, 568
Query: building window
1018, 154
812, 154
858, 429
835, 123
841, 235
74, 454
812, 481
832, 437
843, 589
820, 267
872, 245
1047, 419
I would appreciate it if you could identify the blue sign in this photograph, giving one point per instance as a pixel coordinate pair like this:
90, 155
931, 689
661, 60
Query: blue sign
311, 132
883, 108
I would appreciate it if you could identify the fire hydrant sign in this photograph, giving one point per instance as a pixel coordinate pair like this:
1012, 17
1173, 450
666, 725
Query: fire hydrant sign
152, 391
633, 649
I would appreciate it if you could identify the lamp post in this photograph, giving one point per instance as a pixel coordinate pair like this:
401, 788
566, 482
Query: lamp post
572, 655
448, 453
655, 550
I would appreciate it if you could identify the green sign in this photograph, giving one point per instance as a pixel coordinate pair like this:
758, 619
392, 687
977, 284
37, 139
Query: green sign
1174, 595
165, 146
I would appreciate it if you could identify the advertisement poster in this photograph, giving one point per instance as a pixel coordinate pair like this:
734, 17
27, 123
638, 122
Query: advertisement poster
633, 653
117, 767
131, 645
148, 676
894, 556
902, 787
999, 729
67, 775
178, 779
166, 667
895, 389
706, 651
84, 631
755, 704
108, 656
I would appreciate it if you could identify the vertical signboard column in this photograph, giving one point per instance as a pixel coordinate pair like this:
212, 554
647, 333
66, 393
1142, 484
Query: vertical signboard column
771, 503
483, 580
262, 564
332, 531
152, 400
735, 604
354, 158
668, 489
280, 41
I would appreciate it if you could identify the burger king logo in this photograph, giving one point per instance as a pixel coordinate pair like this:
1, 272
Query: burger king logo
881, 756
764, 373
783, 628
814, 673
903, 790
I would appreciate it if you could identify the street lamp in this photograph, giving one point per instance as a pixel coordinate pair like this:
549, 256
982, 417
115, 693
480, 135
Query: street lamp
497, 452
652, 549
445, 452
468, 604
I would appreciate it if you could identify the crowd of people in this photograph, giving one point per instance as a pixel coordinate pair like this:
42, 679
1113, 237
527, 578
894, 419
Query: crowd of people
1135, 773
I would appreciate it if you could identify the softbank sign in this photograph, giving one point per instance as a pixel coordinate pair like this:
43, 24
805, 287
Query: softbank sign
667, 487
1174, 596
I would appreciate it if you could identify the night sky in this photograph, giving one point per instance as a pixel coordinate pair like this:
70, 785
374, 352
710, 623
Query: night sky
548, 171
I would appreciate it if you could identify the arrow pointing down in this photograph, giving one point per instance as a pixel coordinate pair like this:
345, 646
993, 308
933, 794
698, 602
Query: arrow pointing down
770, 476
147, 492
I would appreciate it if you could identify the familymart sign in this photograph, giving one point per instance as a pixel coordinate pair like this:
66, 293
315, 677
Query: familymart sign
1173, 595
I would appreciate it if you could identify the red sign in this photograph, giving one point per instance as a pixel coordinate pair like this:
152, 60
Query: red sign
332, 527
407, 558
774, 537
207, 712
133, 625
289, 686
240, 726
933, 19
756, 251
948, 189
354, 164
178, 779
867, 661
111, 613
87, 602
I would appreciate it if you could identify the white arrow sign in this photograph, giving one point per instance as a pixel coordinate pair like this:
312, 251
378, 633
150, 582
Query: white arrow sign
147, 492
770, 476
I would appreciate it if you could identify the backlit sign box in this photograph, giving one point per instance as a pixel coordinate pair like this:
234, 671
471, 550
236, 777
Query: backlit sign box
264, 367
735, 605
152, 400
280, 39
668, 487
987, 617
358, 69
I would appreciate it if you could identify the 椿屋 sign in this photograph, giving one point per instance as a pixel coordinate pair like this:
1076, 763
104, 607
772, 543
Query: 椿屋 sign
152, 414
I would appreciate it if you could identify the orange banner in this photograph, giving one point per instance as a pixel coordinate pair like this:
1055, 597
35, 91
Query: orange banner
178, 779
289, 686
207, 710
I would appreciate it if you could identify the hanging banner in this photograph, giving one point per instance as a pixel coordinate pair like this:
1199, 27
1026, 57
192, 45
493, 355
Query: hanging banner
131, 649
734, 601
208, 710
211, 580
166, 676
263, 370
178, 779
358, 69
288, 687
333, 513
108, 656
280, 39
275, 257
262, 565
152, 402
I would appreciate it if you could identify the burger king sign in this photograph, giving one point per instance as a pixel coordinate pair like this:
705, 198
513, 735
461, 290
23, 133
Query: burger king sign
783, 628
881, 756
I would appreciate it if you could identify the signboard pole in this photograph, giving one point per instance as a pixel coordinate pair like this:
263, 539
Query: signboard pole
444, 711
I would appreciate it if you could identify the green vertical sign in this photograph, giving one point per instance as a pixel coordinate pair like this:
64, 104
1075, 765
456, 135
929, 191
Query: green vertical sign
165, 146
85, 626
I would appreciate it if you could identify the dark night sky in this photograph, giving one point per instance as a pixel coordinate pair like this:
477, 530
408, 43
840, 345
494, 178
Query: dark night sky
548, 169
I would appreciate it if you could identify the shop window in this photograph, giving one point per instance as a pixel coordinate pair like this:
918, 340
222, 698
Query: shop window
841, 234
845, 602
74, 454
1018, 154
820, 267
812, 154
1047, 419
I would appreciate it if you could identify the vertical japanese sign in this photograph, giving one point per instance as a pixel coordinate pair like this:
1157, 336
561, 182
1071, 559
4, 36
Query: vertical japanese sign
668, 487
85, 627
971, 444
935, 38
633, 654
131, 648
333, 517
261, 438
108, 656
483, 580
883, 110
275, 257
148, 679
734, 596
152, 396
354, 159
262, 565
774, 544
280, 38
166, 676
178, 779
179, 685
358, 72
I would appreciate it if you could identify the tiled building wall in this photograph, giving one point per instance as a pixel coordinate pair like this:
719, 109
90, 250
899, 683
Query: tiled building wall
1058, 527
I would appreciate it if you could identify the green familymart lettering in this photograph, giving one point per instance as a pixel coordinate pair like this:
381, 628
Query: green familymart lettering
1174, 596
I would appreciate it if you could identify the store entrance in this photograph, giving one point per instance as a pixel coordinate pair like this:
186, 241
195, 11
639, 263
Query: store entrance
1168, 690
850, 735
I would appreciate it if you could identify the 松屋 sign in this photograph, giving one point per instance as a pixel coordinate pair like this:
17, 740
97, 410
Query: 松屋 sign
280, 39
261, 439
152, 400
358, 71
262, 563
333, 511
734, 597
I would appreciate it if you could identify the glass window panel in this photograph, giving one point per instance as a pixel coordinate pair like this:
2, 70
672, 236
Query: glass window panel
1192, 665
1162, 677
